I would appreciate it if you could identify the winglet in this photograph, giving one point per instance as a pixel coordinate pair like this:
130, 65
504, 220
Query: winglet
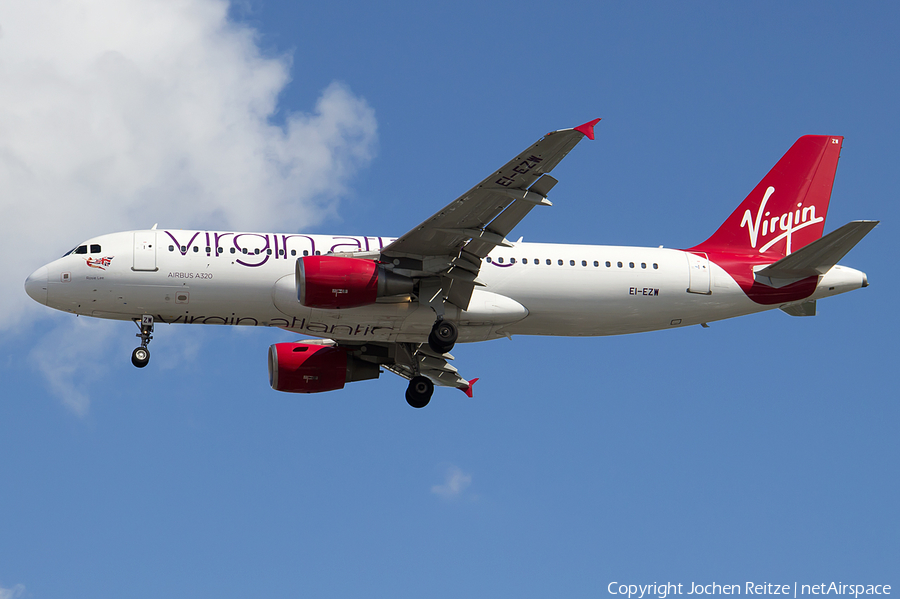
588, 128
468, 390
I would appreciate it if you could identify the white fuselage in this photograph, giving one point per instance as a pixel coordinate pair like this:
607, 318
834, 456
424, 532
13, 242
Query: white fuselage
529, 289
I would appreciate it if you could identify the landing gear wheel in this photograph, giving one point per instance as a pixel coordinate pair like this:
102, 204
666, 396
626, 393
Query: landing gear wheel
418, 394
140, 357
443, 336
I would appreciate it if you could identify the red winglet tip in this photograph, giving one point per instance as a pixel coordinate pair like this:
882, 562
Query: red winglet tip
468, 390
588, 128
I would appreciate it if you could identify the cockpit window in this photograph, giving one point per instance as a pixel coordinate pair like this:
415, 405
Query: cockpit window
83, 249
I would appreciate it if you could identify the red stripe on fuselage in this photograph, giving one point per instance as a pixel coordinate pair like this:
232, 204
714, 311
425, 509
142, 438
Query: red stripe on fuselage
741, 270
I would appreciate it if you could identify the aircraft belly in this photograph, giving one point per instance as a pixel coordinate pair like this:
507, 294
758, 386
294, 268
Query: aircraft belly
378, 322
400, 322
405, 321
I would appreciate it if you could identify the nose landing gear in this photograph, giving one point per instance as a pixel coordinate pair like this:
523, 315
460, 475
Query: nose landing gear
140, 357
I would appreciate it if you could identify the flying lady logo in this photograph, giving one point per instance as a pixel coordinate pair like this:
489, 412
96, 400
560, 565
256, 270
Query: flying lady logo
786, 224
100, 263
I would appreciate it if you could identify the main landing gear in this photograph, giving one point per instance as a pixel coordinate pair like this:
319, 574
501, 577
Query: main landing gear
419, 392
441, 340
140, 357
443, 336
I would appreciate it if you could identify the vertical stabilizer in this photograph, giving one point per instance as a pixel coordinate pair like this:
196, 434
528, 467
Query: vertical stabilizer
787, 209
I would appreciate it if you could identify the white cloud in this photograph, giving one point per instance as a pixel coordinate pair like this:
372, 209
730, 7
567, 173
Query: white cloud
456, 481
74, 354
13, 593
116, 115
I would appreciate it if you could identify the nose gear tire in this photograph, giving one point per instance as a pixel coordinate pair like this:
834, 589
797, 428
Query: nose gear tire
140, 357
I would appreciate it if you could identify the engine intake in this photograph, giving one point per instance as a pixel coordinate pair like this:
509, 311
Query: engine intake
309, 368
334, 282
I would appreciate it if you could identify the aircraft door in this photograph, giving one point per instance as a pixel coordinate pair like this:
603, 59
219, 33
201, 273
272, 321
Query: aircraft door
145, 251
698, 267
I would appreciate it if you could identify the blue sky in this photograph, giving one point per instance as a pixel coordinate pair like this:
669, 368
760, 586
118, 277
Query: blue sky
761, 449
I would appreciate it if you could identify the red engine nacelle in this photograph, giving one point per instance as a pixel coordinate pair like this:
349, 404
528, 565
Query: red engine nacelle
335, 282
308, 368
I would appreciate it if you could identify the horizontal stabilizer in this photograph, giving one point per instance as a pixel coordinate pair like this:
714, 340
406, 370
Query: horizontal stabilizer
804, 309
816, 258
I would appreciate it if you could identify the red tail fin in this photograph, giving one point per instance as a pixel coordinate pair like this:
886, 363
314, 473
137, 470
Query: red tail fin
787, 209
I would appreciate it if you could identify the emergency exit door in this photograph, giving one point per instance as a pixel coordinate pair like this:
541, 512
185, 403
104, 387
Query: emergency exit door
699, 273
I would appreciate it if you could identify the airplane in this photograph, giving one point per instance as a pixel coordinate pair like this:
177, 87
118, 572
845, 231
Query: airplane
401, 304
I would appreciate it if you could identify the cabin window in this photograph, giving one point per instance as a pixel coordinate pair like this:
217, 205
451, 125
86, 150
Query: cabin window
549, 261
171, 248
208, 249
281, 252
306, 252
488, 259
536, 261
500, 260
183, 249
81, 249
596, 264
619, 264
256, 251
560, 262
269, 252
95, 248
643, 265
512, 260
293, 252
584, 262
608, 264
631, 265
571, 263
655, 266
232, 250
243, 250
220, 250
196, 249
318, 253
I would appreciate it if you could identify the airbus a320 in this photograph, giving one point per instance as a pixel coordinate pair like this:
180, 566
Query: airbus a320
401, 304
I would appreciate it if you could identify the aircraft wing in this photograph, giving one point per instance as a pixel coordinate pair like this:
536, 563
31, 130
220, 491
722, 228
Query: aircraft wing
421, 360
452, 243
407, 360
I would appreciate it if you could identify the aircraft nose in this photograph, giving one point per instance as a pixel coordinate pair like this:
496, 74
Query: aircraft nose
36, 285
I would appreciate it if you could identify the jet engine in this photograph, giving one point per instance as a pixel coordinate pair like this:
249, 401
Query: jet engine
310, 368
335, 282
